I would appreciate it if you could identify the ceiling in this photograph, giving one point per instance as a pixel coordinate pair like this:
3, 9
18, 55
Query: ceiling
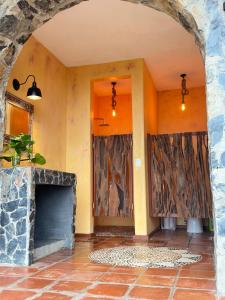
101, 31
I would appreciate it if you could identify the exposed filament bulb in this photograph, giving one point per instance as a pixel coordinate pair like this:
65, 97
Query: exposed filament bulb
183, 106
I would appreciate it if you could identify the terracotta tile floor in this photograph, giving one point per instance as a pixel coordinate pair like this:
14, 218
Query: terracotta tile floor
65, 275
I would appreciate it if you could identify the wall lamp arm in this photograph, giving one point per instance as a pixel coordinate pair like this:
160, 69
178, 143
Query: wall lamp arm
17, 84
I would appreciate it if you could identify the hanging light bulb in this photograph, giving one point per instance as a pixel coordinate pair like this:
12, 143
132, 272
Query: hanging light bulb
113, 99
184, 91
183, 106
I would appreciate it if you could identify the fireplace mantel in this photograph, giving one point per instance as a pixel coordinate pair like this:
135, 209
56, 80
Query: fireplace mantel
18, 195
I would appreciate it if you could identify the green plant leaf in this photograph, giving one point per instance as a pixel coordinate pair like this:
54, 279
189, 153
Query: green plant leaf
25, 137
38, 159
21, 145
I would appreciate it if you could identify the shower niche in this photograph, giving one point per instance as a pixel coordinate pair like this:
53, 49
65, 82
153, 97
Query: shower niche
112, 157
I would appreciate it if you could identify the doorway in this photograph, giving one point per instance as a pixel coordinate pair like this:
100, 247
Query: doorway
112, 157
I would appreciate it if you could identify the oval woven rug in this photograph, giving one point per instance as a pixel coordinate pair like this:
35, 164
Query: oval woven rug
143, 256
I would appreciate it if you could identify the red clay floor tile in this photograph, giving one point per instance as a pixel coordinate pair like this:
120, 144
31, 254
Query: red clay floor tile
196, 283
114, 290
197, 274
53, 296
161, 272
93, 298
3, 269
50, 274
4, 281
193, 295
15, 295
150, 293
65, 266
34, 283
72, 286
83, 276
118, 278
79, 260
18, 271
97, 268
199, 266
156, 281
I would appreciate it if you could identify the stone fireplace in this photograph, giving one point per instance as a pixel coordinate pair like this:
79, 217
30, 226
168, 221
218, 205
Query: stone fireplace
52, 218
37, 213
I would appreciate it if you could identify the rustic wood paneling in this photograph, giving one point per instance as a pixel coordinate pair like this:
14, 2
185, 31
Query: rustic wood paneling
113, 176
179, 175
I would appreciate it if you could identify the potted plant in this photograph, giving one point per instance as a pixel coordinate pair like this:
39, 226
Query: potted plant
20, 148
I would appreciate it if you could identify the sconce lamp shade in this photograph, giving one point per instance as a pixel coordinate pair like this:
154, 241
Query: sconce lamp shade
34, 93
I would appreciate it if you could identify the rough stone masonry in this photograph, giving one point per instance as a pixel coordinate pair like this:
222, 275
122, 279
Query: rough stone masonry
205, 19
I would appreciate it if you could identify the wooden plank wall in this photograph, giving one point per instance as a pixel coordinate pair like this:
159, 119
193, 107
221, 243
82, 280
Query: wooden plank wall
113, 176
179, 175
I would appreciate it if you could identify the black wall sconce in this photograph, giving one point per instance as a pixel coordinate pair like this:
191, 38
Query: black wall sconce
33, 93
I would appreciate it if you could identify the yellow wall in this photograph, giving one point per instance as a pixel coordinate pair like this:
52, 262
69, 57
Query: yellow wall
170, 117
150, 121
49, 123
79, 153
151, 103
60, 127
121, 124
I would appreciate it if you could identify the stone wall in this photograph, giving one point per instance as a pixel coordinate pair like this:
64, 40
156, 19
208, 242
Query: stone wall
205, 19
17, 202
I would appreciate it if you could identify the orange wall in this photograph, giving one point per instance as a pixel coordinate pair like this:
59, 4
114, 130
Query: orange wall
121, 124
170, 117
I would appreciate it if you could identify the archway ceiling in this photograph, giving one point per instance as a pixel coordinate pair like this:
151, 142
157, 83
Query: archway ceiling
101, 31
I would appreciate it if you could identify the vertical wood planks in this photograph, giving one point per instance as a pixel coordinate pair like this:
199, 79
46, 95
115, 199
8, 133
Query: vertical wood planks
179, 172
113, 176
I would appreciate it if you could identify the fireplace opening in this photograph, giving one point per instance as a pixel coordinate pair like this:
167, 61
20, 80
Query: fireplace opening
53, 219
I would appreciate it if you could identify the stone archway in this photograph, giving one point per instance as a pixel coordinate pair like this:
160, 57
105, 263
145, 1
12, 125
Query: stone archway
204, 19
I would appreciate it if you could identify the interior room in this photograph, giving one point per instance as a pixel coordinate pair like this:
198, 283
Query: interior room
83, 95
128, 117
